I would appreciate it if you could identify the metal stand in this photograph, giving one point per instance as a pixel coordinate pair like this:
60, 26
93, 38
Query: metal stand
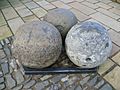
58, 70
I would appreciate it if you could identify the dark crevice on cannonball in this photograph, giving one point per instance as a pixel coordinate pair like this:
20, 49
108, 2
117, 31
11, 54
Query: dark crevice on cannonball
88, 59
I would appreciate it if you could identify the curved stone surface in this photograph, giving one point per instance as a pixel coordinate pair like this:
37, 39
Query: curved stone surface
88, 44
37, 44
62, 19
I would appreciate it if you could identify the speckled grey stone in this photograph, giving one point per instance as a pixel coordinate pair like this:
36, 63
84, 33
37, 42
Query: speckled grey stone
29, 84
1, 79
62, 19
38, 44
106, 87
41, 85
10, 81
5, 68
88, 44
2, 86
19, 77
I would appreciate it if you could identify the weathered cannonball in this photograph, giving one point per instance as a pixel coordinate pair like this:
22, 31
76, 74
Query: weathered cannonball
88, 44
37, 45
62, 19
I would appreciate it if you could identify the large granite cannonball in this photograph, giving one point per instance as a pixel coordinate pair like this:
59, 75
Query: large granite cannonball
37, 45
62, 19
88, 44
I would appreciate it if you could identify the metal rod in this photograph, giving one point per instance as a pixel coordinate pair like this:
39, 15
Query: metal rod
59, 70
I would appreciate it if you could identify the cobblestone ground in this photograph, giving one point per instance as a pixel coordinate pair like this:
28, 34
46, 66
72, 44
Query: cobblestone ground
14, 13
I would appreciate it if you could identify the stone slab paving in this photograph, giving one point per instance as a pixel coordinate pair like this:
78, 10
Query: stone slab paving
14, 13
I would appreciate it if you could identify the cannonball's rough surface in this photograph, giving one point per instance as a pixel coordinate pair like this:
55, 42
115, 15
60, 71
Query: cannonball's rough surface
38, 44
88, 44
62, 19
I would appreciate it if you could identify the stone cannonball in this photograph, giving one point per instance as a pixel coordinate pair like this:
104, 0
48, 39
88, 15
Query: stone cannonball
37, 45
88, 44
62, 19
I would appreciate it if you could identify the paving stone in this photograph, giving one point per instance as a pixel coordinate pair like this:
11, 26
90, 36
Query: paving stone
7, 51
60, 4
106, 87
11, 69
29, 84
18, 87
80, 16
19, 77
93, 81
46, 5
113, 77
105, 66
116, 11
29, 89
2, 20
25, 1
71, 87
116, 58
5, 32
0, 46
2, 43
1, 74
114, 36
105, 6
55, 87
5, 68
10, 81
15, 23
49, 7
99, 84
107, 21
119, 20
40, 86
85, 80
4, 4
9, 13
84, 75
93, 20
45, 77
15, 3
67, 1
71, 81
50, 0
106, 1
91, 5
84, 9
115, 49
1, 80
2, 54
39, 12
65, 78
93, 1
115, 5
13, 64
57, 78
80, 0
2, 86
108, 13
43, 3
7, 41
23, 11
78, 88
30, 18
31, 5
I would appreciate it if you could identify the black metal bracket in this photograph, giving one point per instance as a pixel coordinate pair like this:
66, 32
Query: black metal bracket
58, 70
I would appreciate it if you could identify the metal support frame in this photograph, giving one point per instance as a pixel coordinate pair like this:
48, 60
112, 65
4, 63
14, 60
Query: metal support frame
58, 70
